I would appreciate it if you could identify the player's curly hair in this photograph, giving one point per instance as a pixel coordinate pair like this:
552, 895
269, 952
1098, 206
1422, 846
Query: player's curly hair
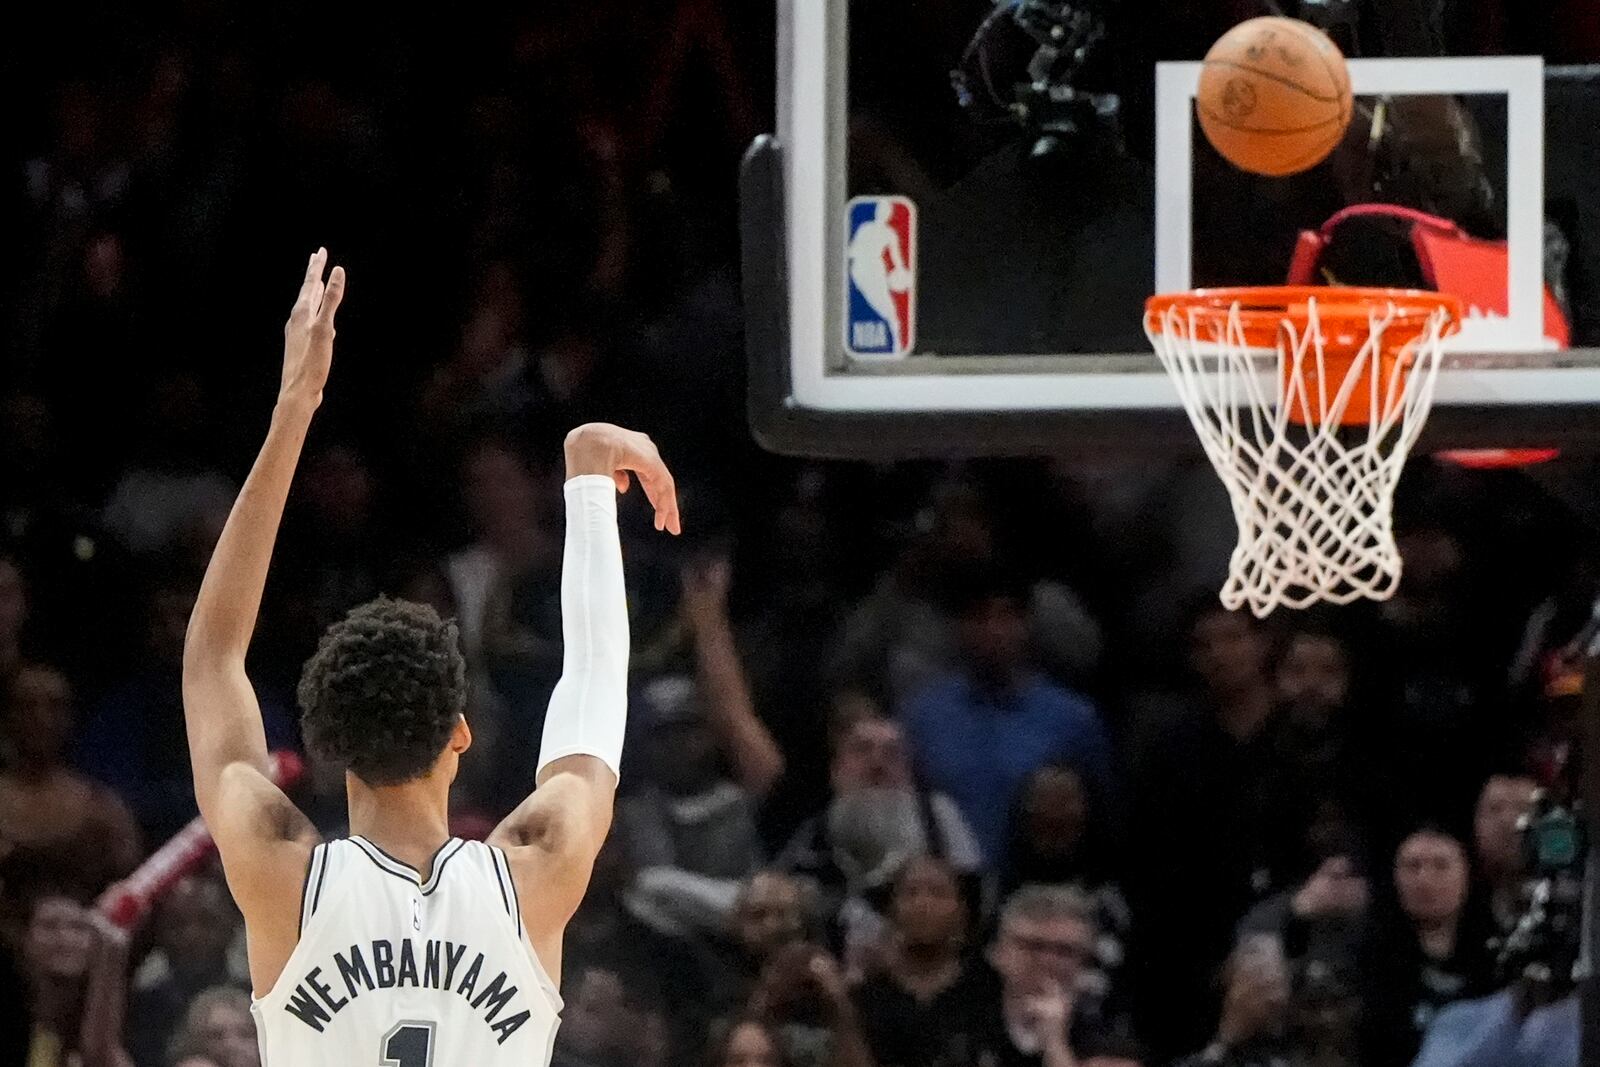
383, 690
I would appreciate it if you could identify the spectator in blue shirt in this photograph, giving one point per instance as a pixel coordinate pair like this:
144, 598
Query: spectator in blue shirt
1500, 1031
980, 731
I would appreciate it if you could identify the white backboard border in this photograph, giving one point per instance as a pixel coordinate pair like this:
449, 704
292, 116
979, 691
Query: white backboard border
812, 115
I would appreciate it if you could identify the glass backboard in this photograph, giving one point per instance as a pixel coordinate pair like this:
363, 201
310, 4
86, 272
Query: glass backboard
961, 214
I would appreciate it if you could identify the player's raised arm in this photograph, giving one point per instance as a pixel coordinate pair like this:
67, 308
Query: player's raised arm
554, 835
244, 811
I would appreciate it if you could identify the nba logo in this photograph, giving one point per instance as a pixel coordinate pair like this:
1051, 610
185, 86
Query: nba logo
880, 276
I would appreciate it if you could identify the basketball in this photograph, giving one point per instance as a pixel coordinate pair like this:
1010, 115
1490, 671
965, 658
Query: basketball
1274, 96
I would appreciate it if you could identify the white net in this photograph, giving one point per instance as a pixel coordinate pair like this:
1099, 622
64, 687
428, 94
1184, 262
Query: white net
1309, 439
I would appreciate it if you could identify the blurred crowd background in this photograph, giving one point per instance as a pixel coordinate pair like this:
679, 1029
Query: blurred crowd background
930, 765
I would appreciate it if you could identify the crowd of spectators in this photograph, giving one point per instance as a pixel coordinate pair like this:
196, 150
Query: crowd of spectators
929, 765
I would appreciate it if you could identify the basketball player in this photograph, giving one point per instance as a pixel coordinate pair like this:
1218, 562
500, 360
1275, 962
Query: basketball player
401, 945
878, 280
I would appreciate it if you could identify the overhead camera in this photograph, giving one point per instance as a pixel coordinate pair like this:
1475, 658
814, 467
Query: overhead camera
1032, 64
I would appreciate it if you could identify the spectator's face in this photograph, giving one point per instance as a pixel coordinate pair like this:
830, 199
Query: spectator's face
683, 757
60, 940
871, 755
1029, 954
194, 926
500, 492
1056, 811
926, 908
994, 635
1504, 800
228, 1035
13, 602
769, 915
39, 723
750, 1045
1314, 676
597, 1020
1430, 873
1227, 651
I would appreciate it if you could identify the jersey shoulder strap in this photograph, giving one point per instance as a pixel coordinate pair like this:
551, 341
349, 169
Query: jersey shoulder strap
492, 862
325, 862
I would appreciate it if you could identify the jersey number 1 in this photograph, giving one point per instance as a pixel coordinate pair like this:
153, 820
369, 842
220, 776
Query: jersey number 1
407, 1044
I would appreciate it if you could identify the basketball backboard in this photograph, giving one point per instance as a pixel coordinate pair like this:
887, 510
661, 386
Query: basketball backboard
924, 276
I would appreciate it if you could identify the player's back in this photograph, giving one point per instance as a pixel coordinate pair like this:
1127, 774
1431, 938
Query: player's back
395, 970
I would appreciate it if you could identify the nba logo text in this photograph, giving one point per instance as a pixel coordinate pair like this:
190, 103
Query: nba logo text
880, 276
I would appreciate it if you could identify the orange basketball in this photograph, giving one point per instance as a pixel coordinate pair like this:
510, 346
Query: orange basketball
1274, 96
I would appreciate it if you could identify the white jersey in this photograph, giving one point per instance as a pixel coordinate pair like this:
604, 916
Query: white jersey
396, 971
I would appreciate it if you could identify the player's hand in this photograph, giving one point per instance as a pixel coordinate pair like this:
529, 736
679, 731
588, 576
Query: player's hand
308, 335
601, 448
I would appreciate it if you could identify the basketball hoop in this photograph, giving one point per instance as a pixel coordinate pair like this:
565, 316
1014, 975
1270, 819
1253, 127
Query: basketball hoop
1307, 400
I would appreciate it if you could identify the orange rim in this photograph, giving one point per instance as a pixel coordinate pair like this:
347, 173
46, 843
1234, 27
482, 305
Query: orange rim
1345, 316
1263, 309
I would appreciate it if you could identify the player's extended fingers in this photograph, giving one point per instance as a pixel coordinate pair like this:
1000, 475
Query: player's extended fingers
663, 494
332, 294
313, 279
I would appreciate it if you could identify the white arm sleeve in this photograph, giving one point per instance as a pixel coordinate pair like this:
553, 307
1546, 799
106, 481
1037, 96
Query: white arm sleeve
589, 708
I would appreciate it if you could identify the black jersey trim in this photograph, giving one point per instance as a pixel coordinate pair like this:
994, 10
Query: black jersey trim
516, 904
322, 877
499, 878
440, 859
508, 888
305, 885
403, 870
384, 862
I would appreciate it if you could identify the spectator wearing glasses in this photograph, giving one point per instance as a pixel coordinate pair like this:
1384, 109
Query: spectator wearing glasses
1042, 948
